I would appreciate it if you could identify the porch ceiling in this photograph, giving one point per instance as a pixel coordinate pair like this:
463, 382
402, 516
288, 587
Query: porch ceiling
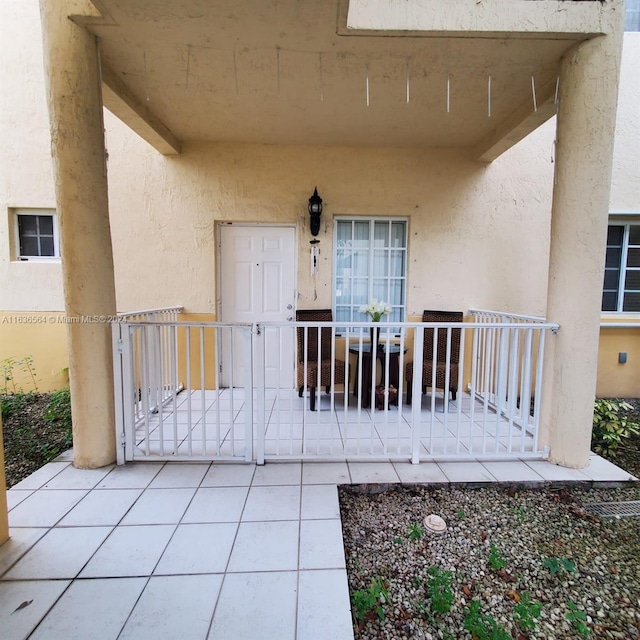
278, 71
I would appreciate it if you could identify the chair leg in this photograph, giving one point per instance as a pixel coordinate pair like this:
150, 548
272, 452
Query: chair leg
453, 394
409, 391
312, 398
300, 390
328, 388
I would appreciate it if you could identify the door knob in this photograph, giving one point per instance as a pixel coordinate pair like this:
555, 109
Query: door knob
289, 306
289, 318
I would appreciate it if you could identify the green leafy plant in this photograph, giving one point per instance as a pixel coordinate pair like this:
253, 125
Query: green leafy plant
611, 426
578, 619
415, 532
371, 599
9, 368
439, 590
482, 626
556, 565
461, 514
527, 612
12, 403
495, 559
521, 513
59, 408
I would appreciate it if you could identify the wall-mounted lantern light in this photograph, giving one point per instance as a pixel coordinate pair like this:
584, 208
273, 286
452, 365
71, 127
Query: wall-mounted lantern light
315, 210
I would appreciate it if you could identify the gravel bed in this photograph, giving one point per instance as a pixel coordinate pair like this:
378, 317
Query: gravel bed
553, 553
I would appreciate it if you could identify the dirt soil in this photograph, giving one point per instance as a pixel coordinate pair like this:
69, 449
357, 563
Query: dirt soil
30, 440
628, 456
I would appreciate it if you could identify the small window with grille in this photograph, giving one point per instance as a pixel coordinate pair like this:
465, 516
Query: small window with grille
37, 234
621, 291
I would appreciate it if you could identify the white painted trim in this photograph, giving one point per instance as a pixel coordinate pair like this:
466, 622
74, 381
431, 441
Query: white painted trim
15, 212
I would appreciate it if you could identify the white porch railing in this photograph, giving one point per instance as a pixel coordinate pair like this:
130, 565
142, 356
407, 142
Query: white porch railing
498, 374
508, 368
160, 384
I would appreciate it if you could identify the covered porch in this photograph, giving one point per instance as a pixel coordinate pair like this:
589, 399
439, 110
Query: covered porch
476, 392
160, 75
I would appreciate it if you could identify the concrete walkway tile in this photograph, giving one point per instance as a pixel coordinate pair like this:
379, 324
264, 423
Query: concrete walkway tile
425, 472
95, 609
244, 613
466, 472
59, 554
372, 472
512, 471
325, 473
17, 623
45, 508
331, 613
174, 607
43, 475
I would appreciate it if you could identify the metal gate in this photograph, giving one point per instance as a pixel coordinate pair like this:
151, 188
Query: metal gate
170, 404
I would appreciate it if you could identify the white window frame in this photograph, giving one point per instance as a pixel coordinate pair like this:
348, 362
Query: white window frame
371, 220
56, 236
625, 220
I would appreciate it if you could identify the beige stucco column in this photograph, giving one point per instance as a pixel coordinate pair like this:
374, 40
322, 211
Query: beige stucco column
585, 134
4, 517
77, 142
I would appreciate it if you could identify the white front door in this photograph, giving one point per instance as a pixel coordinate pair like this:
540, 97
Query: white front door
257, 284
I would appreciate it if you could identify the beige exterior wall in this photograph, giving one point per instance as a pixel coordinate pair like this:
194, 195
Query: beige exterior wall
41, 336
459, 211
615, 379
26, 176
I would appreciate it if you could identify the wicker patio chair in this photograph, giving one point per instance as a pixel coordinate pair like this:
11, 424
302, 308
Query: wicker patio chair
441, 354
325, 363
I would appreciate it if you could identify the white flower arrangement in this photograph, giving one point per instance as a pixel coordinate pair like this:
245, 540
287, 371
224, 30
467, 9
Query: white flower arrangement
376, 309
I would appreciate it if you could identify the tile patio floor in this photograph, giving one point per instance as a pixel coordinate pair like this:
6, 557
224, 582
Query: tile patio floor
212, 423
195, 550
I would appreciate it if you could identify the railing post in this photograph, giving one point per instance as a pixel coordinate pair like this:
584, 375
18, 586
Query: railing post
538, 388
257, 334
117, 392
416, 400
129, 392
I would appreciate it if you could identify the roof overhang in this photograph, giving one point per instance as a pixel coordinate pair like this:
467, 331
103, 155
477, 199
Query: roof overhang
385, 73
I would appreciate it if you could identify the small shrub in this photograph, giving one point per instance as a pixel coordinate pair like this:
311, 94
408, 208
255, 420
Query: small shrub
371, 599
527, 612
13, 403
482, 626
439, 590
578, 619
521, 513
59, 408
495, 559
611, 426
415, 532
556, 565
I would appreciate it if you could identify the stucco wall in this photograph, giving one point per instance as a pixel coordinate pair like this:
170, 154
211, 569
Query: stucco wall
459, 212
625, 184
615, 379
26, 177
